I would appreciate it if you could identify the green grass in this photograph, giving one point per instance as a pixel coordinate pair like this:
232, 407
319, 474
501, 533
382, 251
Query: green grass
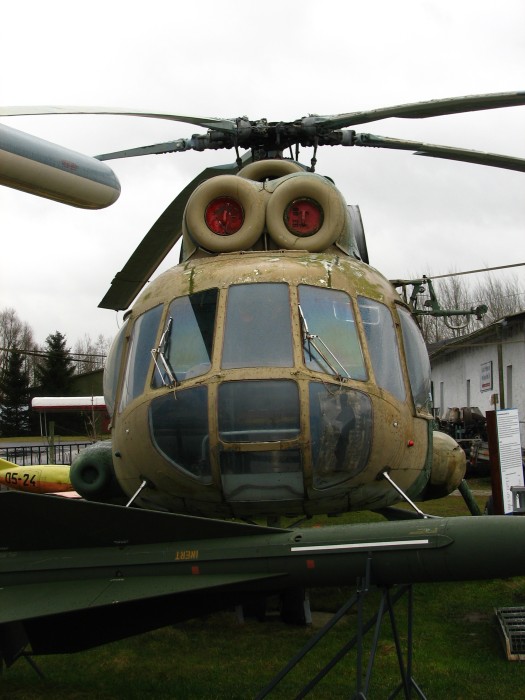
458, 653
42, 439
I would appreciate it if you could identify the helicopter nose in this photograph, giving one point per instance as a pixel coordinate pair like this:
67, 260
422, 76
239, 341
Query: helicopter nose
262, 442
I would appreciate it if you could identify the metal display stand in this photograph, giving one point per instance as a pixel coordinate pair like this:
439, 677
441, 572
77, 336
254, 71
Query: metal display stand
389, 597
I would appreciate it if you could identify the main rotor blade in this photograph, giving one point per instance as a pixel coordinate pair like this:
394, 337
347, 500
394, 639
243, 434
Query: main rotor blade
204, 122
448, 152
155, 149
155, 245
422, 110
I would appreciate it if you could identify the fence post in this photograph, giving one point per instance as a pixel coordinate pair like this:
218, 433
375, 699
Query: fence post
52, 457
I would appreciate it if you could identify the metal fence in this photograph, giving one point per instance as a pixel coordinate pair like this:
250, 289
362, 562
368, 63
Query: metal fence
26, 455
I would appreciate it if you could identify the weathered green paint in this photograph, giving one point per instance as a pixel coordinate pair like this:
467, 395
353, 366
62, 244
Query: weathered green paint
67, 588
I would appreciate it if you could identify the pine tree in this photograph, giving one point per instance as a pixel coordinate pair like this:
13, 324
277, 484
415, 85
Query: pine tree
14, 388
55, 369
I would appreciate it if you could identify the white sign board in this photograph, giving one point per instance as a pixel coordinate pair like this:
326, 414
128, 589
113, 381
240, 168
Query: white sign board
486, 376
509, 454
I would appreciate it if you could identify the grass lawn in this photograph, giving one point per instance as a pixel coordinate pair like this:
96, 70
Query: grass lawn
458, 654
43, 440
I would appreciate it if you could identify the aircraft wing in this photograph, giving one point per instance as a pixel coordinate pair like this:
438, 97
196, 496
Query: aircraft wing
76, 574
39, 600
53, 523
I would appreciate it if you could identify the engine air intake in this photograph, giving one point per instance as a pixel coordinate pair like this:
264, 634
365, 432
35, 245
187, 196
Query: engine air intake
224, 216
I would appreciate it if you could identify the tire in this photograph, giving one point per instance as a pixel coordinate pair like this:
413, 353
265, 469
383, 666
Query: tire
92, 470
90, 477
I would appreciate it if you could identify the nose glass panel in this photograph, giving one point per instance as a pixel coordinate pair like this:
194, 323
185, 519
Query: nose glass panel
179, 430
260, 411
262, 476
341, 431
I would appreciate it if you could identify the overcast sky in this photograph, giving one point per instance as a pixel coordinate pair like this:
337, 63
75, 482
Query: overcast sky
275, 59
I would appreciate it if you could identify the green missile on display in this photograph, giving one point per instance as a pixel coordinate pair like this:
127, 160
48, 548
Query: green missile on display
117, 571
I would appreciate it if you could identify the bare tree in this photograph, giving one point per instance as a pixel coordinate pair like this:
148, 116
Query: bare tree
502, 296
90, 354
16, 335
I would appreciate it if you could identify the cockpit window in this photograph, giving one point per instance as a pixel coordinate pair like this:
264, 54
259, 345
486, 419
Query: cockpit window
331, 343
111, 370
382, 346
258, 331
247, 411
265, 413
139, 355
186, 344
341, 426
417, 359
179, 429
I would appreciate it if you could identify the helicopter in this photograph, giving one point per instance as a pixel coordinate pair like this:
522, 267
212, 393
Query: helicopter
272, 372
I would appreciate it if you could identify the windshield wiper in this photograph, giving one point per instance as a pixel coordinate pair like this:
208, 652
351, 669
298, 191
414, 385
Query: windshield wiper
315, 340
159, 353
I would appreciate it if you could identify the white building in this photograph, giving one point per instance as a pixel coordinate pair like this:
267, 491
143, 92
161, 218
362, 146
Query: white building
484, 369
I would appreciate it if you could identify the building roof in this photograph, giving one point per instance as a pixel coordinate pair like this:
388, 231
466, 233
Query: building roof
475, 338
68, 403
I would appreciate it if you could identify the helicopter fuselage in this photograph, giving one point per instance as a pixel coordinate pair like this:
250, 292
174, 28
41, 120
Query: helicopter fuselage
247, 413
258, 378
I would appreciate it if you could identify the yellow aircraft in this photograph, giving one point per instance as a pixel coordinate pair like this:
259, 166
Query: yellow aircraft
42, 478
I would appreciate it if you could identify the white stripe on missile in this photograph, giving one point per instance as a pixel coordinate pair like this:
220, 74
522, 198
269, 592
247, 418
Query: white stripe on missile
361, 545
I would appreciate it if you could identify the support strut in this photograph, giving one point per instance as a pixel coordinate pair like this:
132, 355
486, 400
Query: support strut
389, 597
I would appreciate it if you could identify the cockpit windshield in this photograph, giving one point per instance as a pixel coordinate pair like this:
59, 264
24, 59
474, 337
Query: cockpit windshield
258, 331
417, 359
331, 343
111, 371
186, 344
382, 346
